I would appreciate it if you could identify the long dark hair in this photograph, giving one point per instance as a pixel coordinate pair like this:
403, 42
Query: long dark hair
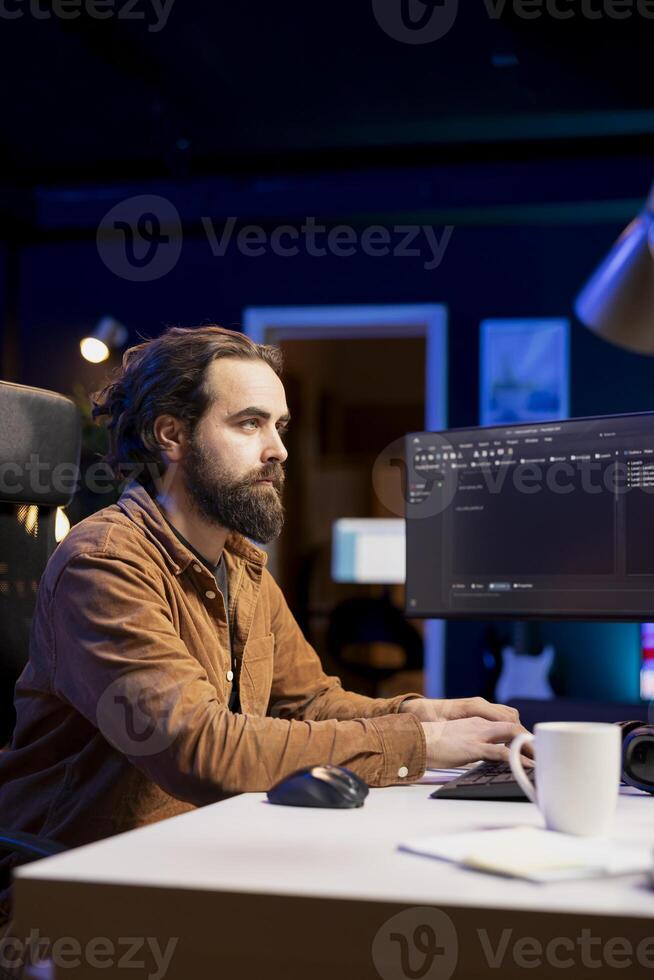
165, 376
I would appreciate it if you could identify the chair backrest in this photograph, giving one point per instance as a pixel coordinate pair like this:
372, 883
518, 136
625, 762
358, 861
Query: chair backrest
40, 444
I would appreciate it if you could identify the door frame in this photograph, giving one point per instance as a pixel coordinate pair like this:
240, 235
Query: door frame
273, 324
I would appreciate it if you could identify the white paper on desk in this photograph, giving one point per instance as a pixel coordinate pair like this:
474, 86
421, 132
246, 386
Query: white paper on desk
535, 854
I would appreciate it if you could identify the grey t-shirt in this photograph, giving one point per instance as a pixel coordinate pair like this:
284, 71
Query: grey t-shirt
220, 574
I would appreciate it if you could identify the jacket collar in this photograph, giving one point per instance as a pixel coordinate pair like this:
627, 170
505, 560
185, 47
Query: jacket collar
137, 504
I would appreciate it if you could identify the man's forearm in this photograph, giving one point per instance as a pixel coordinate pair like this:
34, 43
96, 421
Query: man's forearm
332, 701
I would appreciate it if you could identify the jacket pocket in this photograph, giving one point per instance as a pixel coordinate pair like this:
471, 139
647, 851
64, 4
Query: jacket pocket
257, 674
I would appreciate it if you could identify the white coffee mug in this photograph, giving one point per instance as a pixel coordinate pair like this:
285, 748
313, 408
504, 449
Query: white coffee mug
578, 770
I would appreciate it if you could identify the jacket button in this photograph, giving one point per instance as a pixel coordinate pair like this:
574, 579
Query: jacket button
230, 675
402, 772
210, 594
196, 568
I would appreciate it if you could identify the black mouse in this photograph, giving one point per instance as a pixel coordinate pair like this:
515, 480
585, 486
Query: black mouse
330, 786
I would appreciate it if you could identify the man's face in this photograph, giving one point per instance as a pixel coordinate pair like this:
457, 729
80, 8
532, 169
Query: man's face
236, 444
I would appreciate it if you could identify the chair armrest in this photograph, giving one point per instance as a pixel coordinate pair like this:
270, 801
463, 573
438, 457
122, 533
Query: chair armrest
28, 845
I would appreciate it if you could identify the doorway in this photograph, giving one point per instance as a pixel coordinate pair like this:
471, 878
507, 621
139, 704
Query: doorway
357, 379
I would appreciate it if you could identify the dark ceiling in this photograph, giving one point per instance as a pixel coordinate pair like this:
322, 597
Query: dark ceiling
227, 84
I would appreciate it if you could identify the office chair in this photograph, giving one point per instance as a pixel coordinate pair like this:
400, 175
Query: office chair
40, 445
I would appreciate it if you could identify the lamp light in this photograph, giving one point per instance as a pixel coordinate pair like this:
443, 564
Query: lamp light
108, 335
62, 524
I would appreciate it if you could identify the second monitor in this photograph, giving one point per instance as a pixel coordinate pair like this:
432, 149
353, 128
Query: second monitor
554, 520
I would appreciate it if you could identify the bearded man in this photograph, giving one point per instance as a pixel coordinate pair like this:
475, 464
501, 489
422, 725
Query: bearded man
166, 670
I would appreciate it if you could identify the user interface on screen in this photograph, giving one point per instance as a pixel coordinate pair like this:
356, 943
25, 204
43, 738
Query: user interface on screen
545, 520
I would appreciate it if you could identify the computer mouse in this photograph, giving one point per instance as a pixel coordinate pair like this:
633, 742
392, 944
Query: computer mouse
328, 786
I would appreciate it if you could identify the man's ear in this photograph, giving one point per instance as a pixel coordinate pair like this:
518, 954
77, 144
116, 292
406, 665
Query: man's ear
171, 435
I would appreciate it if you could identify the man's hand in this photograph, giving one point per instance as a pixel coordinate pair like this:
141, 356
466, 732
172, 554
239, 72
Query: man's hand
456, 743
429, 709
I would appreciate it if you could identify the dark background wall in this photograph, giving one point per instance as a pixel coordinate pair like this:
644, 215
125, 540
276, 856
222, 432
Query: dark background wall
485, 272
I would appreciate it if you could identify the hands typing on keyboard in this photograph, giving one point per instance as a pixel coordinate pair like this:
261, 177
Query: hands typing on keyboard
462, 730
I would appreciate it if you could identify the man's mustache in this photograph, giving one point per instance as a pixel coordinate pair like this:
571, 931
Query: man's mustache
276, 475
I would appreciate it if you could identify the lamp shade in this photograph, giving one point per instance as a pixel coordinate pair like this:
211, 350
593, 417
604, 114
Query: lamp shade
617, 302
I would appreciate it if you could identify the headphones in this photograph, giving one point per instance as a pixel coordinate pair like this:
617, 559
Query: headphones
638, 754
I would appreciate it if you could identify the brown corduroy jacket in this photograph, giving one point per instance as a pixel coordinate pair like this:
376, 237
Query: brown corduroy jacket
122, 716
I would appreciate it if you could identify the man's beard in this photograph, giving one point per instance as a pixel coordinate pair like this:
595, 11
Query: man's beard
253, 509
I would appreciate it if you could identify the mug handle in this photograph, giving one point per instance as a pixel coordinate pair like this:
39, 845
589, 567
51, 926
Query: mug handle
516, 765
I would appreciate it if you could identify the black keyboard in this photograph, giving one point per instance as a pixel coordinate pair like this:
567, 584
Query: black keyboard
487, 781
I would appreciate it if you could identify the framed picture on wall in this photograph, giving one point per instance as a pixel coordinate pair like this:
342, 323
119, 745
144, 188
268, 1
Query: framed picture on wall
524, 370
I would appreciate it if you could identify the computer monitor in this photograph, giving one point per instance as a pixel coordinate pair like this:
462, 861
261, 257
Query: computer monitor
550, 521
368, 550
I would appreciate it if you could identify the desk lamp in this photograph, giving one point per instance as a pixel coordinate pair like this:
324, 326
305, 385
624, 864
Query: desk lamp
617, 302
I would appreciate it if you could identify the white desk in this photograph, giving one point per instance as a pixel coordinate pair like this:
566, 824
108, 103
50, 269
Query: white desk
253, 889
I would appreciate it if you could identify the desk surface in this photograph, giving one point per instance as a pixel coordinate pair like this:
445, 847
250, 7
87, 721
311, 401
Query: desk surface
250, 846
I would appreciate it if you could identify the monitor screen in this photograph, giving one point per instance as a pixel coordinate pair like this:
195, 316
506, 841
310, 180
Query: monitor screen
368, 550
550, 520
